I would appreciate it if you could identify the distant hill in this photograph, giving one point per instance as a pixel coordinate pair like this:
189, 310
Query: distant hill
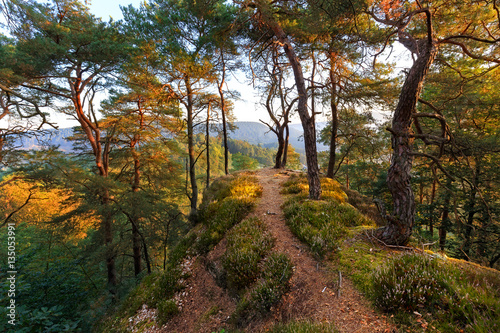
52, 137
252, 132
258, 133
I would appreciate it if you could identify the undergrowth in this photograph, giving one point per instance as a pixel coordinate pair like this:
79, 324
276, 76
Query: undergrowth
260, 297
321, 224
225, 203
255, 274
446, 295
247, 244
422, 292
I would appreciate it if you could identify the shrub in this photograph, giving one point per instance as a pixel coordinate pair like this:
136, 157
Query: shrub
167, 308
408, 282
278, 267
276, 274
247, 244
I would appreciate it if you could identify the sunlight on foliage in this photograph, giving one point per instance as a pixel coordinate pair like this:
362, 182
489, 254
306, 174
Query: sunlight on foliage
320, 224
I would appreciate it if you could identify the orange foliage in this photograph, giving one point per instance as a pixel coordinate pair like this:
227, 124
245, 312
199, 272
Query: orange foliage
43, 206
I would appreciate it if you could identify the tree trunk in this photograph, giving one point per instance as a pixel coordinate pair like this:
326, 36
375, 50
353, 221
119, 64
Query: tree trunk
306, 119
101, 159
445, 219
106, 226
285, 150
400, 224
191, 153
330, 173
223, 111
471, 211
333, 141
136, 238
432, 205
207, 129
278, 163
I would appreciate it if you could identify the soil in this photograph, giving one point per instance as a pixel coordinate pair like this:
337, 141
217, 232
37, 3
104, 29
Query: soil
314, 293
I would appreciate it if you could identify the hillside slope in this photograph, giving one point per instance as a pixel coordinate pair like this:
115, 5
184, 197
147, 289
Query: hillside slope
267, 259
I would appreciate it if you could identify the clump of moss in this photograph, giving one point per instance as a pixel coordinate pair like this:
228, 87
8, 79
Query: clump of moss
321, 224
226, 202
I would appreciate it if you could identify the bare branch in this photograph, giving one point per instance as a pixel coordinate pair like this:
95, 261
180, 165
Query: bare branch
436, 161
469, 53
17, 210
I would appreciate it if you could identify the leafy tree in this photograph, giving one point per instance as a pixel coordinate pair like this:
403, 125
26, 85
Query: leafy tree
186, 35
426, 28
72, 53
266, 14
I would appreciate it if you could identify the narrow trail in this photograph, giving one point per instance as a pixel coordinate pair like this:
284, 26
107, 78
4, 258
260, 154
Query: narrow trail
206, 307
312, 295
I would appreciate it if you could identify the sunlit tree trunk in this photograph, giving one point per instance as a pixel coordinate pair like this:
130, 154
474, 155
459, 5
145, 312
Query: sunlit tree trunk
223, 111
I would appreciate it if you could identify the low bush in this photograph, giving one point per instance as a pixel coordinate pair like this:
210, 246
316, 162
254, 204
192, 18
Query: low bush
247, 245
275, 282
409, 282
452, 295
167, 308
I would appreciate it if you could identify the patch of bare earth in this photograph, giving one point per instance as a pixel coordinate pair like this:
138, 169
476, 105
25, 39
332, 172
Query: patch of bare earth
206, 307
313, 294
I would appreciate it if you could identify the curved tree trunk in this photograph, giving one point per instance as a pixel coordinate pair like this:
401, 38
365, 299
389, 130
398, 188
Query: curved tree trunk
400, 224
306, 119
287, 139
278, 163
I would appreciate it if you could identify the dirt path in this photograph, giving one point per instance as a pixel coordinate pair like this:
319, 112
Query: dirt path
206, 307
311, 295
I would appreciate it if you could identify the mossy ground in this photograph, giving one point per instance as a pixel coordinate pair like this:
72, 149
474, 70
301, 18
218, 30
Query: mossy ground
467, 295
225, 204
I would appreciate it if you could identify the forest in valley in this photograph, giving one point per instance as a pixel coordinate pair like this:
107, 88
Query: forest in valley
153, 97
